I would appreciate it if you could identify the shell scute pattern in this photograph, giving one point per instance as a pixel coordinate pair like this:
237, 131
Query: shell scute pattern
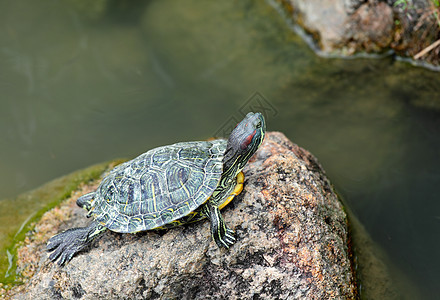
159, 186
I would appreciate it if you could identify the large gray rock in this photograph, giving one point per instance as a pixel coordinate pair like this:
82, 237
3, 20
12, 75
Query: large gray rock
325, 20
292, 243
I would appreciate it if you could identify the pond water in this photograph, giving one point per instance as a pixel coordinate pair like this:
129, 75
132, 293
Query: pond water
83, 83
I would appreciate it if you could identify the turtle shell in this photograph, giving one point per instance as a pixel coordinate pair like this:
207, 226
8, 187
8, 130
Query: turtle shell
159, 186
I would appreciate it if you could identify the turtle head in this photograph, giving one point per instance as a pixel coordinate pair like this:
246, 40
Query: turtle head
244, 140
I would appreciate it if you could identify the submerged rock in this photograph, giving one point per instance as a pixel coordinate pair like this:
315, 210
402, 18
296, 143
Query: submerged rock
292, 243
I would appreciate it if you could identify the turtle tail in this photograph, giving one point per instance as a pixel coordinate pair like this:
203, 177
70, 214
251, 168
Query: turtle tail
67, 243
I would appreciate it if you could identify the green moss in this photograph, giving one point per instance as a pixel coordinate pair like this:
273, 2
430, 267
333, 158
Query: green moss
28, 208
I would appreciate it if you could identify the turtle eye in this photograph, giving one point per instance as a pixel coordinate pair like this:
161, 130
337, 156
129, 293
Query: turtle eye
258, 124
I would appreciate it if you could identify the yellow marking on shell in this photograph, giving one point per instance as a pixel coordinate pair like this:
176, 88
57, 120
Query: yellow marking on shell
154, 198
189, 207
185, 189
199, 158
237, 190
126, 203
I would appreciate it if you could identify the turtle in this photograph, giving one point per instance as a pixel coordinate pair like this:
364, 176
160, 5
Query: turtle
166, 187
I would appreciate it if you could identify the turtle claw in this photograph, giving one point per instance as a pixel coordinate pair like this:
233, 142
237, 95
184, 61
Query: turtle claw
226, 240
63, 246
222, 235
66, 244
229, 238
60, 256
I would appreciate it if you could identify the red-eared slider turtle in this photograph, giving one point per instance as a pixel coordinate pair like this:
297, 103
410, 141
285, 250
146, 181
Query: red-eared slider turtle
166, 187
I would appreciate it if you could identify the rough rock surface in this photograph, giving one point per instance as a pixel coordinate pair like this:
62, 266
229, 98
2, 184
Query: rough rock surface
370, 28
353, 25
292, 243
349, 26
417, 29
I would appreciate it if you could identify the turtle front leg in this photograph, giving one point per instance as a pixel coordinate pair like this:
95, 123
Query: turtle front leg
222, 235
66, 244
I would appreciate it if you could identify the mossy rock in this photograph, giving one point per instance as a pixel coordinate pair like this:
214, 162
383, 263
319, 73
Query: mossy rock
19, 215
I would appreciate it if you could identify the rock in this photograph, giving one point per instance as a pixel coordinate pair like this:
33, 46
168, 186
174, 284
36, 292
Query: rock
292, 243
18, 215
417, 28
346, 26
370, 28
325, 20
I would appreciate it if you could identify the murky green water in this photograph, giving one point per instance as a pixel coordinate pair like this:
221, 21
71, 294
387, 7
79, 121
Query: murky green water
84, 86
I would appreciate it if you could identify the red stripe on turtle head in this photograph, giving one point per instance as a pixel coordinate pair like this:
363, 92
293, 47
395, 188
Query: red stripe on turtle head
247, 140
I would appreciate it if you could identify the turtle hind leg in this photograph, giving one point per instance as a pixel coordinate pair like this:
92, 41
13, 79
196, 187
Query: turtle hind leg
67, 243
85, 201
222, 235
